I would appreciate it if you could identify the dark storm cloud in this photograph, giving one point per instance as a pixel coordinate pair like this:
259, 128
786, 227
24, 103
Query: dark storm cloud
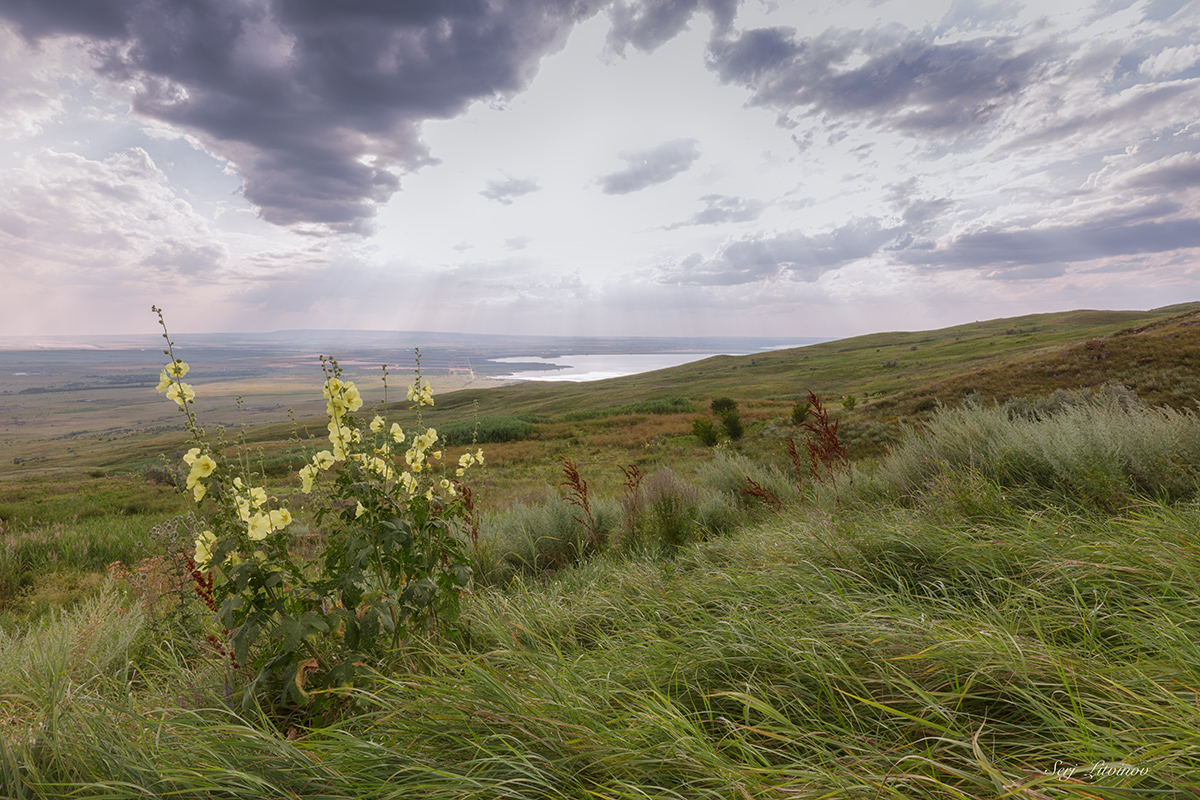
721, 208
504, 191
1108, 235
904, 82
650, 167
317, 104
650, 23
797, 255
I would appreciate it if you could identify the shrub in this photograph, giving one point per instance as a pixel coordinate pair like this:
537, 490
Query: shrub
486, 430
732, 423
726, 411
163, 475
704, 430
394, 563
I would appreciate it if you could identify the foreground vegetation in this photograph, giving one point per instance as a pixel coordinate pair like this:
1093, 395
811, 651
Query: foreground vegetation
1002, 606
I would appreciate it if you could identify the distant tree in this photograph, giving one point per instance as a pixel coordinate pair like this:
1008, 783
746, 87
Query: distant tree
732, 423
800, 413
723, 404
849, 402
704, 430
726, 411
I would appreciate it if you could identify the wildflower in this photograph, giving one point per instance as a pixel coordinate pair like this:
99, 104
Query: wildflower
204, 544
204, 466
377, 424
164, 380
181, 393
258, 496
422, 395
359, 510
324, 459
307, 474
177, 368
258, 526
199, 490
190, 456
397, 433
280, 519
343, 396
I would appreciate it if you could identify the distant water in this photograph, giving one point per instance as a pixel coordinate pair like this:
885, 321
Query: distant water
597, 367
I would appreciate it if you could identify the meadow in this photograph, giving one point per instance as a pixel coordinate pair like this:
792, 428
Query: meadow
991, 594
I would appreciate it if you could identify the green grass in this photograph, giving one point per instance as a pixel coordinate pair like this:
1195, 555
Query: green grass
1002, 601
933, 626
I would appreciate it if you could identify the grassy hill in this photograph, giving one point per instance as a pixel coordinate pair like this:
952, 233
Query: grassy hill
646, 419
1003, 605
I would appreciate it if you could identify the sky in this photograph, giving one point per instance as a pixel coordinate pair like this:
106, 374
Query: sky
588, 167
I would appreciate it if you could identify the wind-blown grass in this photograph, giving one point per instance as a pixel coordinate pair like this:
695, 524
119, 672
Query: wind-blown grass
1100, 452
986, 636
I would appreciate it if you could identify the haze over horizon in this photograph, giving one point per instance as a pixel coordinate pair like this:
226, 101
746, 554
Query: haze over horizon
593, 168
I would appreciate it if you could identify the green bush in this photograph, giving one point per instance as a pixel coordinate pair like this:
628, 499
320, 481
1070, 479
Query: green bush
704, 430
487, 430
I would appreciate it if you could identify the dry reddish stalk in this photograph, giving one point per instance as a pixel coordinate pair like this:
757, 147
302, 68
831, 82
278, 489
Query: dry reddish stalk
763, 493
633, 482
797, 464
577, 494
825, 450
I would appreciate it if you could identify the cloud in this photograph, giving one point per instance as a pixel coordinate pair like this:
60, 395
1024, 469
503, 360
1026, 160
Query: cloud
30, 94
1170, 61
1105, 235
721, 208
1178, 172
318, 105
116, 219
902, 81
651, 167
792, 254
504, 191
650, 23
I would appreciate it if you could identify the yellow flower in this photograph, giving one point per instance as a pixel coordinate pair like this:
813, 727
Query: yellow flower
377, 424
258, 496
177, 368
204, 465
397, 433
259, 526
280, 519
359, 511
191, 455
307, 474
181, 393
422, 396
199, 490
204, 544
164, 380
324, 459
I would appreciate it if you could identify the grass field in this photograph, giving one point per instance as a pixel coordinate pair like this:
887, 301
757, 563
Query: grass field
994, 599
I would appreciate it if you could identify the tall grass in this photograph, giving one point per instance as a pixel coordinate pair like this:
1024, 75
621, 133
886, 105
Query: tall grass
1002, 631
1100, 453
